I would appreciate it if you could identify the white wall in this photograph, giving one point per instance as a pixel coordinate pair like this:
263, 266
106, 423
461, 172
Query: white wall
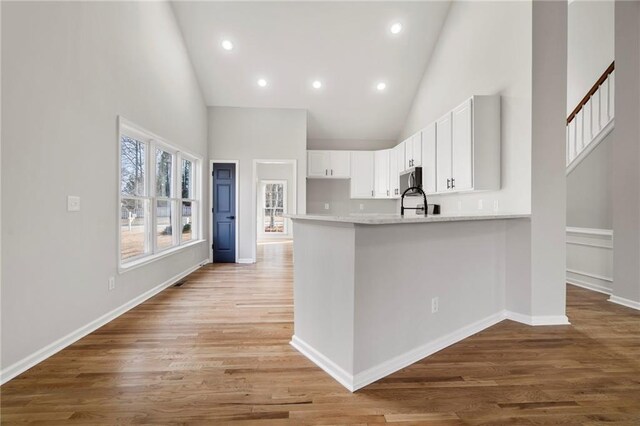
247, 134
63, 86
350, 144
337, 194
589, 196
484, 49
590, 46
271, 171
626, 155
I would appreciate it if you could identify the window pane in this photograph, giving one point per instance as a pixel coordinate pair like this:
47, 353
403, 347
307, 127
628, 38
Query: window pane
164, 234
273, 221
187, 179
188, 210
133, 228
163, 173
132, 166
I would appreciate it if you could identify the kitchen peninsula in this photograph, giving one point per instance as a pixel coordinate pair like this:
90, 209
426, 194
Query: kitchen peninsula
375, 293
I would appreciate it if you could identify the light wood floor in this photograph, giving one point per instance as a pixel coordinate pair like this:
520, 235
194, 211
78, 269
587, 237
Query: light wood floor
215, 350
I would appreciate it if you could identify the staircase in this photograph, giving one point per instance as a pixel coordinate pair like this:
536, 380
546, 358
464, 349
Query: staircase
592, 120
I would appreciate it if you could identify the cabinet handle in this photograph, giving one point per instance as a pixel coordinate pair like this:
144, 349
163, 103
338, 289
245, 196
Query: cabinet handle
331, 172
372, 192
326, 172
387, 192
448, 183
453, 183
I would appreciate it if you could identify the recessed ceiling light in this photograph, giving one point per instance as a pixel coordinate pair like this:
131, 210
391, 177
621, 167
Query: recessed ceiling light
317, 84
381, 86
395, 28
262, 82
227, 45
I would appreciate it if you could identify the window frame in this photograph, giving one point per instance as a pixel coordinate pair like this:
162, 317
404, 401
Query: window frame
153, 143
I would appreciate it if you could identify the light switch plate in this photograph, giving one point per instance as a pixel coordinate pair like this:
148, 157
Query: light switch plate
73, 203
326, 206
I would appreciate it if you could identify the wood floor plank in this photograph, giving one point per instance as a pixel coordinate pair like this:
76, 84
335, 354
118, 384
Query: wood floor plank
216, 351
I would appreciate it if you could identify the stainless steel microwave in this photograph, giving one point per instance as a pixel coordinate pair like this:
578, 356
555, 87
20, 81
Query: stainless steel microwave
409, 179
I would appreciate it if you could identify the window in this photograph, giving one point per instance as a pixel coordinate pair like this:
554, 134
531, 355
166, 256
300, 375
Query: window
158, 195
274, 198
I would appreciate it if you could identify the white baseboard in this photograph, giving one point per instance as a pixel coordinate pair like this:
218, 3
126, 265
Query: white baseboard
589, 286
625, 302
536, 320
35, 358
401, 361
330, 367
246, 260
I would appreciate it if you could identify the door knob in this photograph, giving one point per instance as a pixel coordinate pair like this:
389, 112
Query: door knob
231, 217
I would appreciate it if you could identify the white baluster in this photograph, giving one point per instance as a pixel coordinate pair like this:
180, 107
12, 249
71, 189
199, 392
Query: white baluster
579, 131
612, 92
588, 122
595, 103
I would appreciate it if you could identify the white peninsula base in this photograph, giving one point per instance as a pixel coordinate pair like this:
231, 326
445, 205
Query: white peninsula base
374, 294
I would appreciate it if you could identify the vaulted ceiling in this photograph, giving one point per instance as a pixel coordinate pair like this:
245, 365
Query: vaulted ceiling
347, 46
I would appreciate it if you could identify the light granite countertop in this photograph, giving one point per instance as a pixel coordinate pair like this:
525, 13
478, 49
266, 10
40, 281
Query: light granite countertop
393, 219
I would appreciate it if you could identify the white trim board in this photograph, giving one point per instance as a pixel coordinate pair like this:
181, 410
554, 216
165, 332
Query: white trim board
625, 302
37, 357
362, 379
589, 286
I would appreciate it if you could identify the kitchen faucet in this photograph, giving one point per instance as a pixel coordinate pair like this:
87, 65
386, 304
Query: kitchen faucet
424, 196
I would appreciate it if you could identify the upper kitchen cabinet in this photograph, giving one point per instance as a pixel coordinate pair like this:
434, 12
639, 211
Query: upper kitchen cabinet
396, 163
381, 173
413, 151
468, 146
328, 164
362, 174
429, 175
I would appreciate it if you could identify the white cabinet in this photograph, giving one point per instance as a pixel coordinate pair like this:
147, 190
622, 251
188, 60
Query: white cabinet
413, 151
328, 164
400, 157
468, 146
381, 173
317, 162
396, 161
362, 174
429, 176
443, 153
461, 150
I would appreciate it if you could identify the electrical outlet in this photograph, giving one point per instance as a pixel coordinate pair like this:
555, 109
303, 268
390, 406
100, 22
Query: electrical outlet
73, 203
112, 283
361, 206
326, 206
434, 305
496, 205
480, 205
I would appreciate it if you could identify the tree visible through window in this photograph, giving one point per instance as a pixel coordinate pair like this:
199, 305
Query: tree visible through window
274, 207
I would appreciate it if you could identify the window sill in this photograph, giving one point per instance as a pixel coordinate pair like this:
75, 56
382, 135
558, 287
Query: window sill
129, 266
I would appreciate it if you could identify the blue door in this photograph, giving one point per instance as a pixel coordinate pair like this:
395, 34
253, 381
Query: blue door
224, 212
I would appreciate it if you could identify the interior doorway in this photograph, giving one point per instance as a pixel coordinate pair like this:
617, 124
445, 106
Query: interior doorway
274, 197
224, 211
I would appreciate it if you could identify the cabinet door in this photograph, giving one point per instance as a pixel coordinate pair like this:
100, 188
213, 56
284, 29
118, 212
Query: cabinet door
417, 149
317, 163
394, 181
408, 153
339, 164
381, 172
443, 153
362, 174
429, 159
401, 158
462, 152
